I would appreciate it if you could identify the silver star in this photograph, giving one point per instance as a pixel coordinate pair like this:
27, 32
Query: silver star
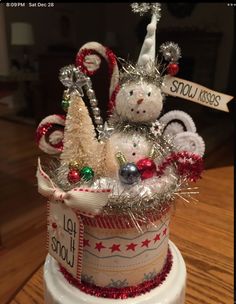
105, 133
72, 78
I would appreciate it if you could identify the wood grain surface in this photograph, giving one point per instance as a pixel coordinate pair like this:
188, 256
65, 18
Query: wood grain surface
204, 234
22, 209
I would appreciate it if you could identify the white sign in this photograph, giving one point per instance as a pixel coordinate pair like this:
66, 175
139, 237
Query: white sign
194, 92
65, 237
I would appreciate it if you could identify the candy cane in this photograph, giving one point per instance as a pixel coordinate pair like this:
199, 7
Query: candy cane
89, 62
50, 133
188, 165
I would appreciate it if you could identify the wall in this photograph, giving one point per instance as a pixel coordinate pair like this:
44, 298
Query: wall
91, 21
4, 60
211, 17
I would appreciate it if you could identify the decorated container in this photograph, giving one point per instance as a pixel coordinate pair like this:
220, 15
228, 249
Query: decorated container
112, 188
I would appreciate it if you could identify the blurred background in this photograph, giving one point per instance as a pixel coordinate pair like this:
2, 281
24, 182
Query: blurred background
36, 42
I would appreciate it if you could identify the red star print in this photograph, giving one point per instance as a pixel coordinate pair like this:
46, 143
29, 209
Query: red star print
115, 247
157, 237
86, 243
145, 243
131, 246
99, 246
164, 231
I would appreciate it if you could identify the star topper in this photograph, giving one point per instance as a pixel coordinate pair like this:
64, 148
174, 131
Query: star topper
72, 78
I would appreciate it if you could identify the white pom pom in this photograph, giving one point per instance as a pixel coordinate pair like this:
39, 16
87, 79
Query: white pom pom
144, 59
191, 142
148, 43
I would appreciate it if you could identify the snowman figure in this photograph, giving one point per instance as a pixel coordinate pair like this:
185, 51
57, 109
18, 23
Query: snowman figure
139, 137
136, 102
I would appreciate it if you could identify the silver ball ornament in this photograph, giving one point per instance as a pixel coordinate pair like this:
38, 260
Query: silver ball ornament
90, 93
93, 102
129, 173
98, 120
100, 127
96, 111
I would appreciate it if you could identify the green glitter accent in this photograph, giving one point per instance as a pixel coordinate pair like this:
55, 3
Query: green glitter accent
65, 104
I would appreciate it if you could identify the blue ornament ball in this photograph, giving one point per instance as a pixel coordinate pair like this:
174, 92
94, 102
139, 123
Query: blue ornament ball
129, 173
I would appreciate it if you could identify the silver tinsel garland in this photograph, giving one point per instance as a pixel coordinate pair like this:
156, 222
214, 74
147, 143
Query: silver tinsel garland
143, 8
155, 195
171, 51
130, 73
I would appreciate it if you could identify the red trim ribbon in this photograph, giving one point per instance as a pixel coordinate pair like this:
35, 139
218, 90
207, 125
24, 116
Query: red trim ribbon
125, 292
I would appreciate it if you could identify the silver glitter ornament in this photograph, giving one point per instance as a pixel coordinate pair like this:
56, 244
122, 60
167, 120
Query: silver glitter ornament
170, 51
143, 8
72, 78
105, 132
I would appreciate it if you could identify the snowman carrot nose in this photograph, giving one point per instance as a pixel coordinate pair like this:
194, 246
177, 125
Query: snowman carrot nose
139, 101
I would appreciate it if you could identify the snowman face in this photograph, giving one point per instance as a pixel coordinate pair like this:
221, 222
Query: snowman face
139, 102
133, 146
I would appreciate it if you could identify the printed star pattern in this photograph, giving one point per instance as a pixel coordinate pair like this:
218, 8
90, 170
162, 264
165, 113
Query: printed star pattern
99, 246
157, 237
164, 231
86, 243
145, 243
131, 246
115, 247
128, 247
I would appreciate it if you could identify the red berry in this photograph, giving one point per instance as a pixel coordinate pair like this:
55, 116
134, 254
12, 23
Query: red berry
173, 69
146, 167
73, 176
54, 225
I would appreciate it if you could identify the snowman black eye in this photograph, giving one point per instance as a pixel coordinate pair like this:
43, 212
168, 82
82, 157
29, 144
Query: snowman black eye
149, 94
131, 93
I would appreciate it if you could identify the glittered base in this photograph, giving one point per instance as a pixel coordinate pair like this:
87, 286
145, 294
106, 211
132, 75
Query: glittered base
172, 290
121, 293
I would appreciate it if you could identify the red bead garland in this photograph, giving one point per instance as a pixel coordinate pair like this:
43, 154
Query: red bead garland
111, 60
121, 293
189, 165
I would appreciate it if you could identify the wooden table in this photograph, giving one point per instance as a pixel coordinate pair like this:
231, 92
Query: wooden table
204, 234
